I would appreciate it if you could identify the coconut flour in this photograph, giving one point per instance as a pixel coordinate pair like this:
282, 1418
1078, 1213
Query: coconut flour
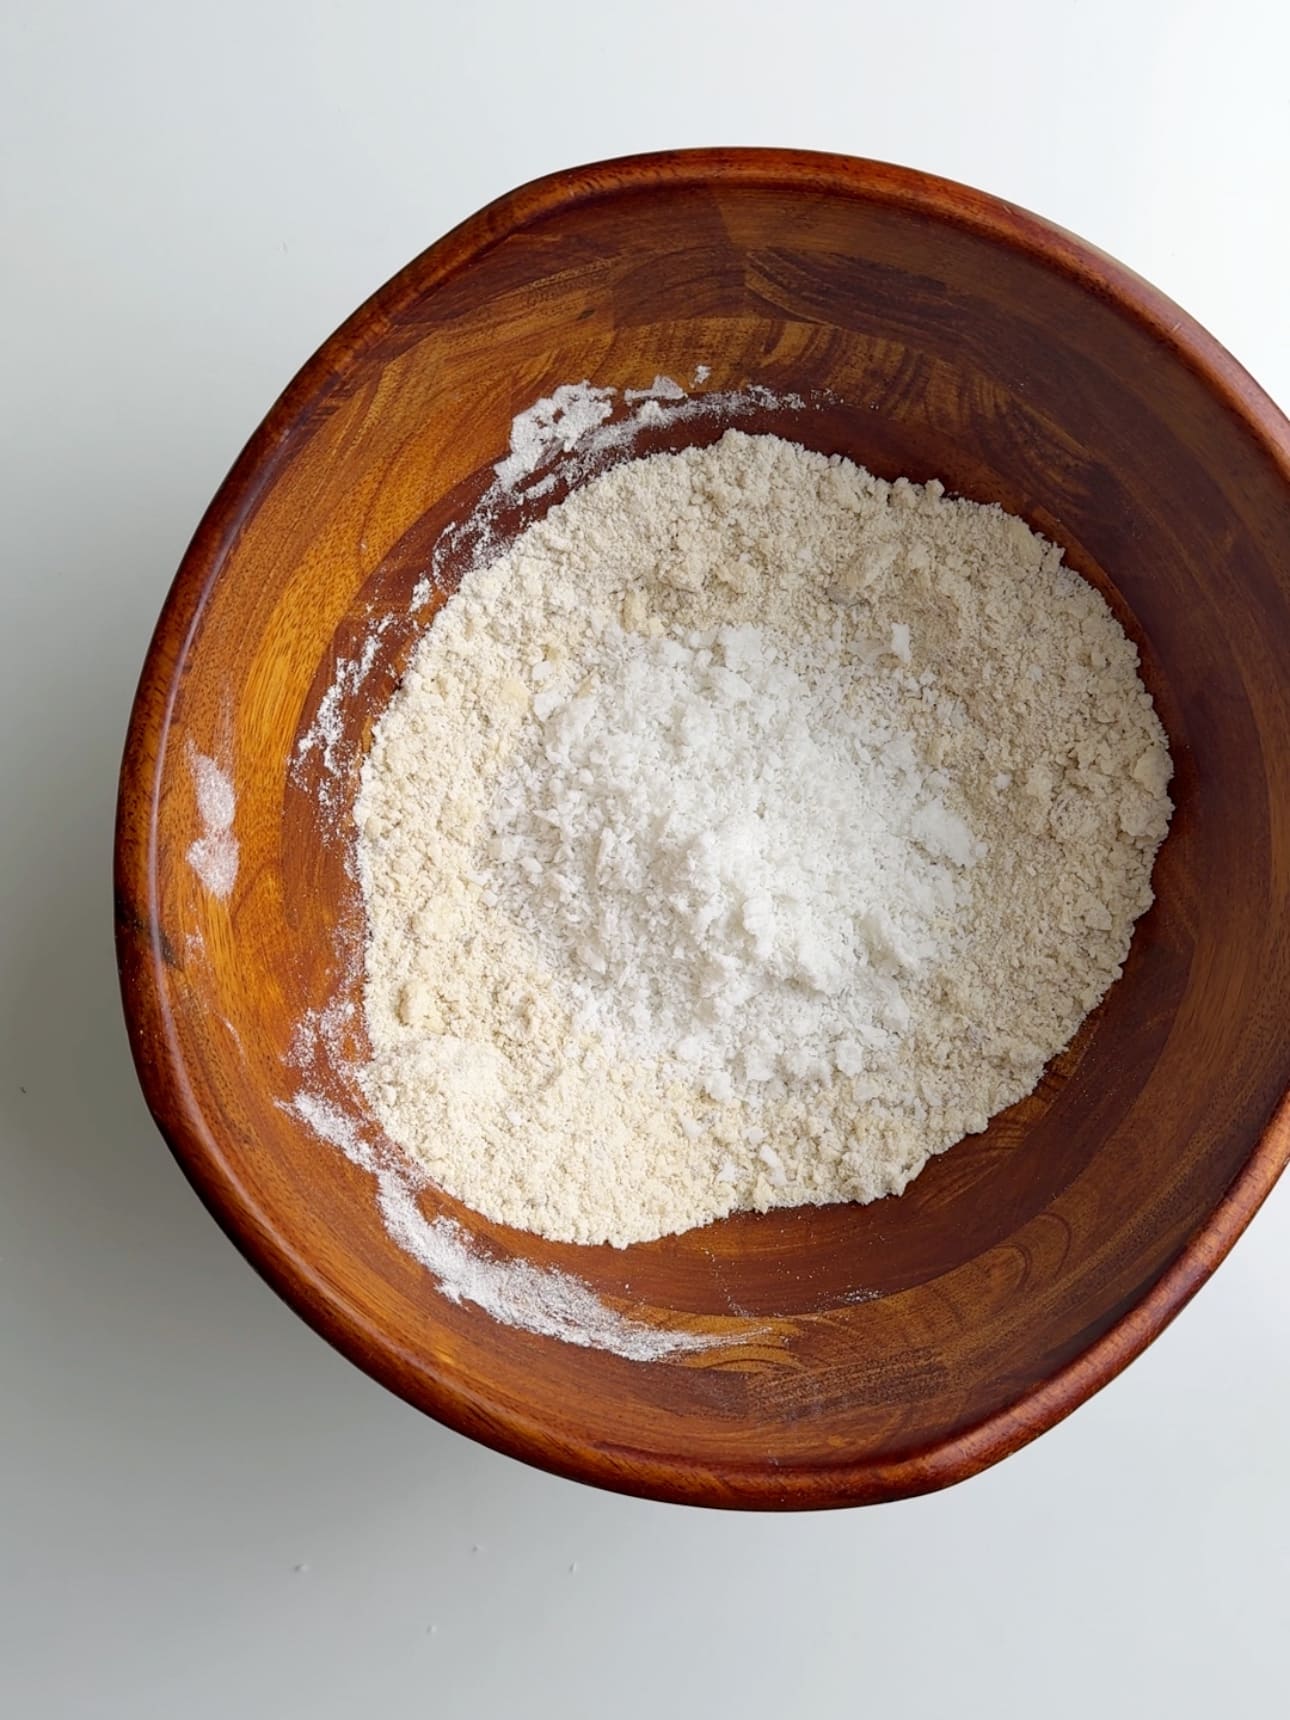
749, 831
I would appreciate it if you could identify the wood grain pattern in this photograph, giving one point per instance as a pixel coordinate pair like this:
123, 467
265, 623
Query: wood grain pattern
885, 1350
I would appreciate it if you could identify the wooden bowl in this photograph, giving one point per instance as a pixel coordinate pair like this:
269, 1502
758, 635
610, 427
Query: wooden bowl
865, 1353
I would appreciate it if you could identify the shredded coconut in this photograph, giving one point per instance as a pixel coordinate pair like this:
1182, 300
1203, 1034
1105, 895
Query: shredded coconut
751, 830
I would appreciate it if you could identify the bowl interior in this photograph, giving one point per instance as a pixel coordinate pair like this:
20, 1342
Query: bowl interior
930, 333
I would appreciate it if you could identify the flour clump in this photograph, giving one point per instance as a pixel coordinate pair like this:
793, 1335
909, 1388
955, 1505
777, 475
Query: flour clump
747, 832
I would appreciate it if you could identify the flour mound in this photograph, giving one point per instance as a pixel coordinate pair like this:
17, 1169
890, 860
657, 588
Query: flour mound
751, 830
732, 866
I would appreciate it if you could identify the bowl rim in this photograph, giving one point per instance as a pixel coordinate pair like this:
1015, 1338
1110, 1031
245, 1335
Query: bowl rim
143, 958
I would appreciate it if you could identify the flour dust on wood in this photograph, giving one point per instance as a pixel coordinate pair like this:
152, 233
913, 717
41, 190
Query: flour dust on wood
749, 831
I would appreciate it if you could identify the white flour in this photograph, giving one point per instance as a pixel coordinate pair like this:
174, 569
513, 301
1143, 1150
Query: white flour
734, 862
214, 855
325, 735
748, 832
572, 434
534, 1298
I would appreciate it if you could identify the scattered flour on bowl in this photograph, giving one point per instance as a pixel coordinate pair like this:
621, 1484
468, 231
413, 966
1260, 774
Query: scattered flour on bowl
572, 434
747, 833
516, 1292
214, 854
751, 830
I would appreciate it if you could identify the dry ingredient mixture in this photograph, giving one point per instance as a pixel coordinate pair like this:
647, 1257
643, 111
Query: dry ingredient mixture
749, 831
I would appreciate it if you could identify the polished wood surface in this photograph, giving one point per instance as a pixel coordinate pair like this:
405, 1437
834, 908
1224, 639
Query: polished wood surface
874, 1352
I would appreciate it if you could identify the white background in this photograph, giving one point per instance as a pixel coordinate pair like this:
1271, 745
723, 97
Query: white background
206, 1513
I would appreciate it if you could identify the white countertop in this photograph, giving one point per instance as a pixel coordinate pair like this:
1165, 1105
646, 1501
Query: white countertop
206, 1513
